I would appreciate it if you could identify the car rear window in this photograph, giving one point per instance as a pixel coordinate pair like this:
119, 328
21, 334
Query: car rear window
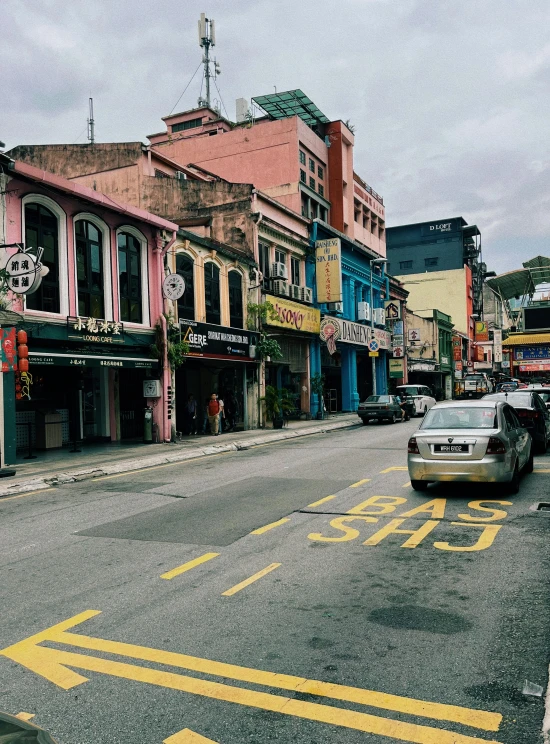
460, 418
517, 400
378, 399
411, 390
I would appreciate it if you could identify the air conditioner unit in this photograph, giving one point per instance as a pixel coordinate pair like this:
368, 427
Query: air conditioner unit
180, 176
307, 294
336, 307
379, 315
280, 288
295, 291
363, 311
278, 271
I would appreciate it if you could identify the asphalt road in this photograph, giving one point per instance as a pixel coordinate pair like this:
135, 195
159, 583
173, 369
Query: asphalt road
188, 619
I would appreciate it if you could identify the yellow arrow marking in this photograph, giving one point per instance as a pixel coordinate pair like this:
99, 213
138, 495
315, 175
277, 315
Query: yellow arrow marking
188, 737
251, 580
52, 664
388, 470
261, 530
189, 565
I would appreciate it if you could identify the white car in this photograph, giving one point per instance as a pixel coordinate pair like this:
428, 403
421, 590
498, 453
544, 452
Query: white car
422, 396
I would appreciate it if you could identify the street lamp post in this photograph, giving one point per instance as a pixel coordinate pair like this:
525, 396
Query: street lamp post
371, 264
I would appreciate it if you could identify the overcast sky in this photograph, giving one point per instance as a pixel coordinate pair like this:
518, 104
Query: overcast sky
449, 98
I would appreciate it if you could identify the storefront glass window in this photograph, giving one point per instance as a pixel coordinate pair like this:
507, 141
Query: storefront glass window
236, 316
129, 273
89, 269
41, 229
186, 303
212, 293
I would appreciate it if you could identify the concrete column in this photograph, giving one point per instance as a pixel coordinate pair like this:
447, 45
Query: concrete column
350, 396
382, 373
314, 368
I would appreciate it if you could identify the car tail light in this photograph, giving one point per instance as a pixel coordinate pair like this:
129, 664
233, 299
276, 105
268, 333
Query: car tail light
526, 414
495, 446
412, 449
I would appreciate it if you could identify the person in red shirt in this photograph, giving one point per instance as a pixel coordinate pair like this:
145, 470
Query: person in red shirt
214, 414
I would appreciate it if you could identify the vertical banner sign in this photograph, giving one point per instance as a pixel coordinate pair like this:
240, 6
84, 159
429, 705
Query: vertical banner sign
457, 348
396, 368
328, 257
9, 354
497, 346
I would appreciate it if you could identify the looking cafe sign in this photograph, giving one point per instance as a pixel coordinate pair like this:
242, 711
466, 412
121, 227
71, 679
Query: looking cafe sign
294, 316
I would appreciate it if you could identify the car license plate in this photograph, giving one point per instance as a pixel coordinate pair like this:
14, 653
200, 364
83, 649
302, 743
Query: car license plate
451, 448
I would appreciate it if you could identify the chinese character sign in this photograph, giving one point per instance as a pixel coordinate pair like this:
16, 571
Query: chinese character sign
328, 257
25, 271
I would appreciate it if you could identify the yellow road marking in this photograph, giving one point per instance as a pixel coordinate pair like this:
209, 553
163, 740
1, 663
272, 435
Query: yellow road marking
48, 665
406, 485
251, 580
267, 527
189, 565
321, 501
388, 470
25, 716
28, 493
188, 737
540, 470
360, 483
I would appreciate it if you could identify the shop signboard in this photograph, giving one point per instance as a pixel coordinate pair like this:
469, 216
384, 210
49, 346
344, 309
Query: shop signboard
482, 331
497, 346
217, 342
345, 331
396, 368
383, 338
9, 354
437, 228
328, 257
458, 366
95, 330
457, 353
542, 367
533, 352
62, 359
413, 334
293, 316
392, 309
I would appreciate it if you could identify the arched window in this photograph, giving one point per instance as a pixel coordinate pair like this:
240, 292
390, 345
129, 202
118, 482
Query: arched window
212, 292
186, 303
129, 277
236, 315
89, 269
41, 230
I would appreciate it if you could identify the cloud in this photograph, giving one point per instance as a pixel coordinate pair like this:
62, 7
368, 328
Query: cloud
449, 97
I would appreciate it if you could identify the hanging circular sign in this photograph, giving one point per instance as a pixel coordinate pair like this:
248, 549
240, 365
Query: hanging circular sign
330, 332
23, 273
173, 286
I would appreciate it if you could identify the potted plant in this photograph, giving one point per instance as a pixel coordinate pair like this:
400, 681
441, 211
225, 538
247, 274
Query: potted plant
318, 387
277, 404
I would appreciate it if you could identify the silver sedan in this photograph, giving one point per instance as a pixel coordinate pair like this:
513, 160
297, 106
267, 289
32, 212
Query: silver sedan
477, 440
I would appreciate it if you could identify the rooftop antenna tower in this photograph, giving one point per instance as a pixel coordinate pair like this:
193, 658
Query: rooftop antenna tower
91, 123
207, 39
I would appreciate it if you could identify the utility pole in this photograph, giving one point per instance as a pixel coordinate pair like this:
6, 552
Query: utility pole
207, 39
372, 262
91, 123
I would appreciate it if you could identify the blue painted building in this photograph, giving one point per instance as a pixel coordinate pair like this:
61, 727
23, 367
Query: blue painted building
348, 372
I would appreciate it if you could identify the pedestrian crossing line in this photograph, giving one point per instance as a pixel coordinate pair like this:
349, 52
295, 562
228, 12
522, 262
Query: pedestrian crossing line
360, 483
251, 580
188, 566
321, 501
267, 527
388, 470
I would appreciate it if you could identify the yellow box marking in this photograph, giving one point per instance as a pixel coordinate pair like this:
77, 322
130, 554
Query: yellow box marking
47, 662
321, 501
25, 716
360, 483
267, 527
251, 580
189, 565
388, 470
188, 737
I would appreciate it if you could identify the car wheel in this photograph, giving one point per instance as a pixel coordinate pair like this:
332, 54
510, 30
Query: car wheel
365, 422
513, 486
419, 485
529, 465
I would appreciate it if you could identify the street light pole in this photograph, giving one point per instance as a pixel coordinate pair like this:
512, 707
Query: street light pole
373, 359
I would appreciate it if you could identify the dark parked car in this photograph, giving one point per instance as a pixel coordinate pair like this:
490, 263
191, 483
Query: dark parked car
382, 408
532, 413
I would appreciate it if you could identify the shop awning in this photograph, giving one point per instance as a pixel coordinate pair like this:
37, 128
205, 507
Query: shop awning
64, 359
527, 339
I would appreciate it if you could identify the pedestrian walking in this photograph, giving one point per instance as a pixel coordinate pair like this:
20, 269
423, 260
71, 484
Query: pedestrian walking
190, 416
204, 424
214, 414
222, 414
401, 403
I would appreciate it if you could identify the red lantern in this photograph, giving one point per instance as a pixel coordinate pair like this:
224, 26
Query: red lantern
22, 351
23, 365
21, 337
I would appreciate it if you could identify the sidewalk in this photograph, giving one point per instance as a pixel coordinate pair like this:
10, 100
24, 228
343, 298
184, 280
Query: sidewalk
61, 466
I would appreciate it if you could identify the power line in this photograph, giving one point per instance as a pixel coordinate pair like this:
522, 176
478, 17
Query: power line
188, 84
221, 99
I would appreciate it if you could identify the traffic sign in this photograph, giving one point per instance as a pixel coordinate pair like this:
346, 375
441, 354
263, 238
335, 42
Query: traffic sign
374, 353
374, 345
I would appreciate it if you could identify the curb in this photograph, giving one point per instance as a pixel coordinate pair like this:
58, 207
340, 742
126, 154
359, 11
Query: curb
127, 466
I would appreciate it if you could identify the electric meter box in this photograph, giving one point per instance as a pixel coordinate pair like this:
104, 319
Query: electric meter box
151, 389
